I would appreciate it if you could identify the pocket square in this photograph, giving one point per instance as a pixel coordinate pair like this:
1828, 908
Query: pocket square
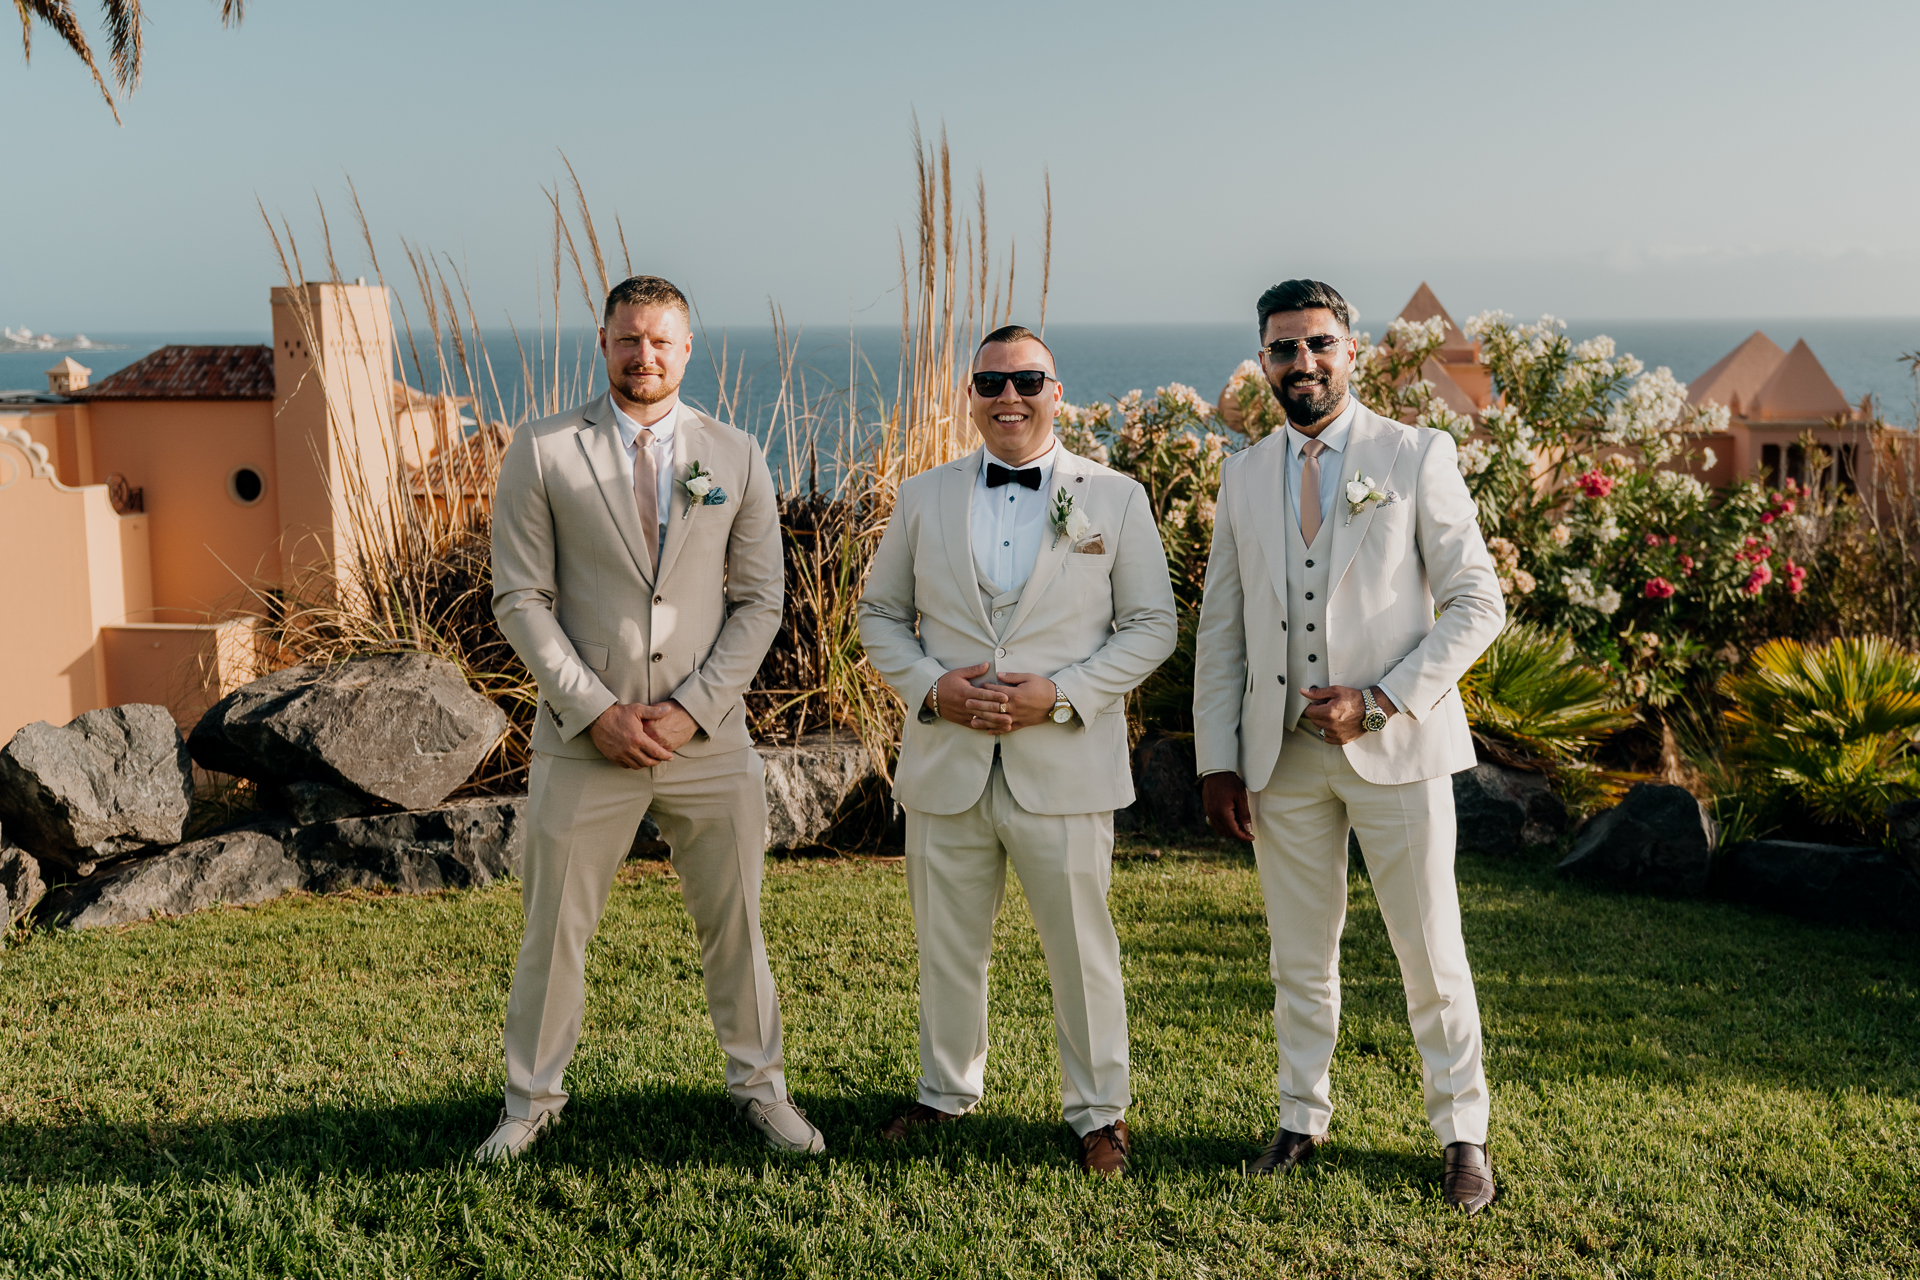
1095, 545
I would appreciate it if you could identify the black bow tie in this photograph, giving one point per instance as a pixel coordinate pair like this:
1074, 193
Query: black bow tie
998, 475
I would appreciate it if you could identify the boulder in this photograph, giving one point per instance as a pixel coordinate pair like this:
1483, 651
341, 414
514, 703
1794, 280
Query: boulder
807, 783
247, 864
106, 784
647, 844
1904, 819
1166, 788
465, 844
306, 803
403, 728
1829, 884
1504, 812
20, 884
1658, 840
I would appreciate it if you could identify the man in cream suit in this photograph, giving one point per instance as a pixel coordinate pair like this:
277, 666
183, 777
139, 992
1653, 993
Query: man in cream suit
637, 572
1016, 598
1324, 697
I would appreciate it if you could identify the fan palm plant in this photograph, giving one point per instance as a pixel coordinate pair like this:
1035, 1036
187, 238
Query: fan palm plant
124, 22
1827, 733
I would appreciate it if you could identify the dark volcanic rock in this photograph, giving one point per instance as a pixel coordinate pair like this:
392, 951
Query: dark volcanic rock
398, 727
1504, 811
467, 843
1658, 840
309, 802
20, 884
1166, 788
647, 844
110, 782
248, 864
1830, 884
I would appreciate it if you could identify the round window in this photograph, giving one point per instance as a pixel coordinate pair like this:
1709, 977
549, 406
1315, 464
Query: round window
245, 486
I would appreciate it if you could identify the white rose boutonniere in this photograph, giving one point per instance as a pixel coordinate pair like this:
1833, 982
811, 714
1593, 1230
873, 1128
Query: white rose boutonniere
1068, 519
701, 490
1360, 492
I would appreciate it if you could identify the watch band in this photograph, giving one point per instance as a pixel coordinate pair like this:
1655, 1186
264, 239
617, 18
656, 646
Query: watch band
934, 706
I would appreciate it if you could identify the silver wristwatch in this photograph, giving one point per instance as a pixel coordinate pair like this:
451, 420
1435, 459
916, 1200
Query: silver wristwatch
1375, 720
1062, 709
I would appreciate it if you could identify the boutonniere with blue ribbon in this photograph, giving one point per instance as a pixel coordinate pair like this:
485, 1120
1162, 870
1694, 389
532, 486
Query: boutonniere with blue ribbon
701, 490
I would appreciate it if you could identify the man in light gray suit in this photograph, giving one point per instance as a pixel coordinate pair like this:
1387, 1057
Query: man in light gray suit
637, 571
1325, 699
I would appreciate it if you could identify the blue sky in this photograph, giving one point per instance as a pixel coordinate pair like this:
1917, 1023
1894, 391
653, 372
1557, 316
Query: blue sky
1631, 160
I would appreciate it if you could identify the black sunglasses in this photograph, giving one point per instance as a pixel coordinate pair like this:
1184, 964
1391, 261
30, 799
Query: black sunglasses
1285, 349
1026, 382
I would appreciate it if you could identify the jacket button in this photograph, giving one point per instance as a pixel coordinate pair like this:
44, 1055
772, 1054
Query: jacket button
1283, 626
999, 653
1309, 565
659, 599
1309, 595
1283, 679
656, 657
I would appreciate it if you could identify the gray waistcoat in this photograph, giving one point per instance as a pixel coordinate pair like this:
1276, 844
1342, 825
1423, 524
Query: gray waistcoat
1308, 570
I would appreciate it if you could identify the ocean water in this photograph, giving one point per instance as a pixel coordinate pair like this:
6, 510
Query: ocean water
1097, 361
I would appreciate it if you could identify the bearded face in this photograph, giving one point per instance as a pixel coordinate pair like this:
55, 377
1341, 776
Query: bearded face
1310, 386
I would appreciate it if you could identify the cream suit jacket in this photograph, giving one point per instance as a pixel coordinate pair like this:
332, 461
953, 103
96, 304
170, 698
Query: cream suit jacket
574, 594
1097, 625
1392, 563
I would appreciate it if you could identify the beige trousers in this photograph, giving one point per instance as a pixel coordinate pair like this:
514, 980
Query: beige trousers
1406, 834
956, 879
581, 820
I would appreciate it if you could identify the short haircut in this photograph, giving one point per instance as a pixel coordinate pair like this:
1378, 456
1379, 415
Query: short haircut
1014, 333
1304, 295
648, 291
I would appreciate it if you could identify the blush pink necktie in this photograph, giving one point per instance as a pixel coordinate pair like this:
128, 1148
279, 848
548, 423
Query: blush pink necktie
1310, 490
646, 496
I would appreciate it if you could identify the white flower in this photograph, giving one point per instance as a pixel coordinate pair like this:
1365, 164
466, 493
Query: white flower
1561, 535
1579, 587
1708, 459
700, 486
1474, 458
1357, 491
1609, 531
1077, 524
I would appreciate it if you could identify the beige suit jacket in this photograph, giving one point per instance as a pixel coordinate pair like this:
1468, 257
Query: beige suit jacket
1392, 563
574, 594
1097, 625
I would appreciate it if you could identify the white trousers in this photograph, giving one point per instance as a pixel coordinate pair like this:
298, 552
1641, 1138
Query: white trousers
956, 879
1406, 834
581, 820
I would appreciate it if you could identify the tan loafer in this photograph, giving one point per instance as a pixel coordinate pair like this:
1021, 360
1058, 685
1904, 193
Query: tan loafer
785, 1127
511, 1136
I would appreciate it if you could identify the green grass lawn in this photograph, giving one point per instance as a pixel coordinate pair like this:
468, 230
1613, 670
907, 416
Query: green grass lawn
1682, 1089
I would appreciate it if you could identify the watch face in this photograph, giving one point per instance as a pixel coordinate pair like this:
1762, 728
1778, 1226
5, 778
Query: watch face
1062, 714
1375, 721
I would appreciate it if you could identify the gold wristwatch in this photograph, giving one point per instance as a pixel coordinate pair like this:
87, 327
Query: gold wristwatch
1375, 720
1062, 709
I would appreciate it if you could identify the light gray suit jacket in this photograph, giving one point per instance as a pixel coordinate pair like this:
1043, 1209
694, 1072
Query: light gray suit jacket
574, 594
1096, 624
1392, 562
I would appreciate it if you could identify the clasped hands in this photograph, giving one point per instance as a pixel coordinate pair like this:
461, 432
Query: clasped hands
1019, 701
1335, 712
639, 735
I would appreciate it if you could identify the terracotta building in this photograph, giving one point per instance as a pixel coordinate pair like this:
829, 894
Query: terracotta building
148, 515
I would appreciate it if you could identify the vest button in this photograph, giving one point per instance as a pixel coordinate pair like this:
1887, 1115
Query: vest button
1283, 679
1313, 657
1283, 626
1309, 595
1309, 626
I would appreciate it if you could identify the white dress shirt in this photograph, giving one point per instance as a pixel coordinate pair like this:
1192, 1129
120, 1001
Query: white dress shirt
661, 449
1332, 479
1009, 522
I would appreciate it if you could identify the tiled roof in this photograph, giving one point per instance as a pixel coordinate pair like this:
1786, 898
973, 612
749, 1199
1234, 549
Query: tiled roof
190, 373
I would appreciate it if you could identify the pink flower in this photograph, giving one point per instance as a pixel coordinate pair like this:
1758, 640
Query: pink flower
1766, 517
1658, 589
1686, 565
1653, 539
1595, 483
1762, 575
1673, 539
1796, 578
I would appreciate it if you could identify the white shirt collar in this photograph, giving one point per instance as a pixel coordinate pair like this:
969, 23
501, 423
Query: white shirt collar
1334, 436
630, 430
1045, 462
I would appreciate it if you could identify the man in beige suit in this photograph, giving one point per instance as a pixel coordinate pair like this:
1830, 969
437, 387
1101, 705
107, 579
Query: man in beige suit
637, 572
1016, 598
1325, 698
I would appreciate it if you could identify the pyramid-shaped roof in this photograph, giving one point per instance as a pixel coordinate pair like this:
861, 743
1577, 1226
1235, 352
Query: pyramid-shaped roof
69, 365
1424, 305
1451, 393
1738, 376
1799, 390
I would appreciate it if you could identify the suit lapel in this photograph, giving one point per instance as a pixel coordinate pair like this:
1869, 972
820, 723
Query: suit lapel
1054, 545
601, 444
688, 441
956, 531
1371, 452
1267, 483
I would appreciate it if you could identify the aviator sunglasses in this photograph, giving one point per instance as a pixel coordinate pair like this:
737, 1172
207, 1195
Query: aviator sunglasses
1285, 349
1026, 382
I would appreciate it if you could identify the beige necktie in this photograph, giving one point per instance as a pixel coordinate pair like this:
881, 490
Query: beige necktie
646, 496
1310, 490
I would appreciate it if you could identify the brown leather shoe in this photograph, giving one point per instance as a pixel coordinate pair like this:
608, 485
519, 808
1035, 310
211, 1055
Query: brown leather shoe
916, 1117
1287, 1152
1105, 1151
1468, 1182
